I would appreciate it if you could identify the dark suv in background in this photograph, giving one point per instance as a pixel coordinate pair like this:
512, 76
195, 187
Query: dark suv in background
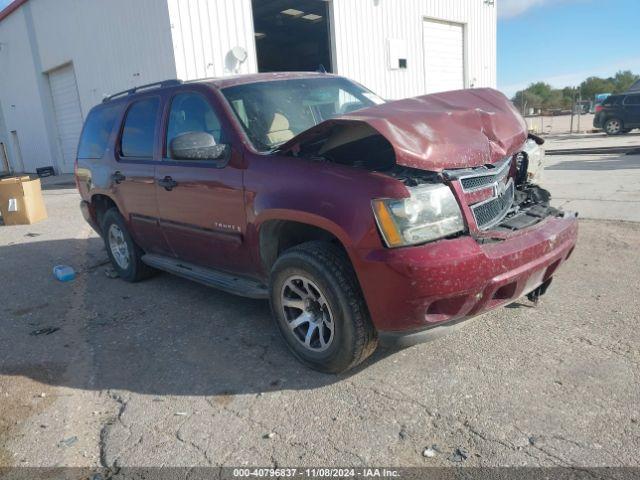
360, 220
618, 113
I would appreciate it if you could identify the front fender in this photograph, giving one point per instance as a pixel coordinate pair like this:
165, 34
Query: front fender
297, 216
334, 198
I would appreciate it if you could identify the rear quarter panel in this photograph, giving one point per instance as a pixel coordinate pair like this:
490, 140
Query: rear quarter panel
93, 175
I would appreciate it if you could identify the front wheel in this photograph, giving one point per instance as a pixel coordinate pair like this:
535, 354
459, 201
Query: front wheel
319, 308
613, 126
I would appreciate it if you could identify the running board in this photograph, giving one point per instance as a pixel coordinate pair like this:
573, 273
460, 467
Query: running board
212, 278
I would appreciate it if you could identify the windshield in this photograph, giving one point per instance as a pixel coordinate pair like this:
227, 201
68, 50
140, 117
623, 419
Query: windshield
274, 112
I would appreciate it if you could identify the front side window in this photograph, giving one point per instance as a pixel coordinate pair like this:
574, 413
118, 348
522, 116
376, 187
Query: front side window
273, 112
191, 113
96, 132
139, 129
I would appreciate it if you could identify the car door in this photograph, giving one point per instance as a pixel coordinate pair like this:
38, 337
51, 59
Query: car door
200, 198
133, 176
631, 106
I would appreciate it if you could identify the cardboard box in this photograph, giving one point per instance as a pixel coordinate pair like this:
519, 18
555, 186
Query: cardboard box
21, 201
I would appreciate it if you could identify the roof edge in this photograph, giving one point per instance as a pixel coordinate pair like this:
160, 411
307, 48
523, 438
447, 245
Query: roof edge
12, 7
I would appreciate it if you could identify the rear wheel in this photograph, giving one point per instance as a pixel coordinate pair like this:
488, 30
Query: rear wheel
319, 308
613, 126
125, 255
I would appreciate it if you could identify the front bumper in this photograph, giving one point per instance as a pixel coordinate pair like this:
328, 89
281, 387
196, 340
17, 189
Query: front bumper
412, 290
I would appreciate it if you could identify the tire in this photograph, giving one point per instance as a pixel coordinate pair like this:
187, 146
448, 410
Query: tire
613, 126
125, 255
314, 286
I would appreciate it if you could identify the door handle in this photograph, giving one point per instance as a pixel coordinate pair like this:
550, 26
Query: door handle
118, 177
168, 183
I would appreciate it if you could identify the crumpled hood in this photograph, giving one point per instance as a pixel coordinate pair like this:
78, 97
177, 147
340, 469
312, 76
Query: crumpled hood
457, 129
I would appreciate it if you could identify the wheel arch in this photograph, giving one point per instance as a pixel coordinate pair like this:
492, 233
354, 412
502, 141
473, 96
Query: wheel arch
277, 233
99, 205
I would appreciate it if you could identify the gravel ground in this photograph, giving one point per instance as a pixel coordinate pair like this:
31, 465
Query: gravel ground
168, 372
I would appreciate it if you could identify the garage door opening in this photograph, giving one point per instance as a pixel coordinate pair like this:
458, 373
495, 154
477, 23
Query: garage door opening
292, 35
68, 114
443, 56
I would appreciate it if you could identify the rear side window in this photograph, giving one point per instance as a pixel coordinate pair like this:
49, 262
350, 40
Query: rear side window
96, 132
632, 100
138, 134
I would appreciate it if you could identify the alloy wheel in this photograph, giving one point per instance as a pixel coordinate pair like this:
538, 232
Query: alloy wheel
307, 313
118, 246
613, 126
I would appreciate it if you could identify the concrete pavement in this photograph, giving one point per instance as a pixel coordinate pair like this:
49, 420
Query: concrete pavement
596, 186
591, 140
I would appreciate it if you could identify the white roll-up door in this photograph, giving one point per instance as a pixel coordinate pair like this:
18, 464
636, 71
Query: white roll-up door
68, 114
443, 56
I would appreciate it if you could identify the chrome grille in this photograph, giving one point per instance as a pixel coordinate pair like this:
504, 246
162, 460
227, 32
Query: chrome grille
492, 211
474, 183
484, 177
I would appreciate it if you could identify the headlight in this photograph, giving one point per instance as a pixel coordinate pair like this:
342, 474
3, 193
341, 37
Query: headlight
535, 155
430, 213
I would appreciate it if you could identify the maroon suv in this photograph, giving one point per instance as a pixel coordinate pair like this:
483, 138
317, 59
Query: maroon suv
360, 220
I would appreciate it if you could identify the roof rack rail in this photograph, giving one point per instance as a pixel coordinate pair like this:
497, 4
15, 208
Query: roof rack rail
131, 91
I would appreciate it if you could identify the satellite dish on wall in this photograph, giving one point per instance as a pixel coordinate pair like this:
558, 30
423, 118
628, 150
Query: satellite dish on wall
234, 58
239, 54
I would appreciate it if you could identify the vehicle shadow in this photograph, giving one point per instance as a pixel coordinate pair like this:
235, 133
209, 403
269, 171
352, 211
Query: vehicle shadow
624, 162
163, 336
519, 304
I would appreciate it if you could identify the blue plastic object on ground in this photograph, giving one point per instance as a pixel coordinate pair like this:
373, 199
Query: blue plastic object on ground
64, 273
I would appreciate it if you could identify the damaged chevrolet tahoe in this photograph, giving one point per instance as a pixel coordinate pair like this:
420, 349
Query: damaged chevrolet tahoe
362, 221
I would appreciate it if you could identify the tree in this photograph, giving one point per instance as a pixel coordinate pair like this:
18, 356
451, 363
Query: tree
542, 95
541, 89
568, 95
524, 99
553, 100
623, 80
538, 95
594, 85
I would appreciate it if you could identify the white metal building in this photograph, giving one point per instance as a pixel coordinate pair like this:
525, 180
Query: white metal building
58, 58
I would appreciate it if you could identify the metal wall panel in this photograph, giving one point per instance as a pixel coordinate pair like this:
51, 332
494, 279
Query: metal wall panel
205, 31
113, 45
362, 29
21, 97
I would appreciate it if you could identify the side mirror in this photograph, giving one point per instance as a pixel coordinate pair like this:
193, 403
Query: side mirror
197, 146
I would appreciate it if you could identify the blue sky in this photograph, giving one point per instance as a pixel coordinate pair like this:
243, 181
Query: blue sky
562, 41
